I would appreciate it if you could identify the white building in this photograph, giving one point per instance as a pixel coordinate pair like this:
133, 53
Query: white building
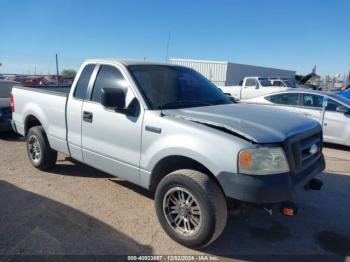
224, 73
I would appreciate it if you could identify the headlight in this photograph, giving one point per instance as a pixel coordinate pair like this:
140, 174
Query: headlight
262, 161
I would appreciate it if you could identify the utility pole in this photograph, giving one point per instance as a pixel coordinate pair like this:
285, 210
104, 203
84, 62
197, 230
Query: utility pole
57, 71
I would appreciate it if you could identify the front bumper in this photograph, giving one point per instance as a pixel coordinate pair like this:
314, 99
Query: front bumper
268, 188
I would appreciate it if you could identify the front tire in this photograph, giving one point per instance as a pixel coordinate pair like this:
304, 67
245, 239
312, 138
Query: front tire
40, 154
191, 208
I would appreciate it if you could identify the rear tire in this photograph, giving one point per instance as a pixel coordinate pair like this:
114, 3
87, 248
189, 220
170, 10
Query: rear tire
191, 208
40, 154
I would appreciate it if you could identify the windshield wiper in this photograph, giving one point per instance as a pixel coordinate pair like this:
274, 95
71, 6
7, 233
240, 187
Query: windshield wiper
184, 103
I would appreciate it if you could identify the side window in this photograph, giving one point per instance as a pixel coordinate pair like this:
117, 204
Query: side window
83, 82
332, 105
107, 77
277, 83
312, 101
250, 82
284, 99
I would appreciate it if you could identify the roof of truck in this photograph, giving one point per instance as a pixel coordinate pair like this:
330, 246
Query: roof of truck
125, 62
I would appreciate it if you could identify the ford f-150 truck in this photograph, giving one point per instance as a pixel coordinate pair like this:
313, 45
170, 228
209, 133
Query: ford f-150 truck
252, 87
170, 130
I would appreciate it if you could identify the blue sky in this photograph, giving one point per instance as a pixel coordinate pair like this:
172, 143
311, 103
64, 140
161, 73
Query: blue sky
286, 34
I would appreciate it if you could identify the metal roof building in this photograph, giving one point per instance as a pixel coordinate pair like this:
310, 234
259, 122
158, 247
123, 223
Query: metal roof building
224, 73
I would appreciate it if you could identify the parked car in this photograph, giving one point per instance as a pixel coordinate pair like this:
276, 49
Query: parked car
170, 130
251, 87
333, 114
5, 104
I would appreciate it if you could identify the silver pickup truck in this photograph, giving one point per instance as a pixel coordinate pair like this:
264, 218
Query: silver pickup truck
170, 130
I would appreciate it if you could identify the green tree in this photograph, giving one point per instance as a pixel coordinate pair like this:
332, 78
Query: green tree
69, 72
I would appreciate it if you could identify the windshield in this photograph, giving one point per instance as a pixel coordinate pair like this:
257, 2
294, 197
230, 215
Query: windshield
265, 82
340, 98
170, 87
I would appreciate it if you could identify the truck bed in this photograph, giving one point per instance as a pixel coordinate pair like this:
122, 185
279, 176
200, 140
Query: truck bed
47, 104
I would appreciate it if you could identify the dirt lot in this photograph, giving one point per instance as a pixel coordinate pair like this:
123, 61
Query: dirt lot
74, 209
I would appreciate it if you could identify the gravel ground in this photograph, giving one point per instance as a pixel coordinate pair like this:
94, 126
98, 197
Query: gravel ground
74, 209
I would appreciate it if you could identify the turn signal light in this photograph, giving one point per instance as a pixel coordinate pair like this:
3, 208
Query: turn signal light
288, 211
246, 159
289, 208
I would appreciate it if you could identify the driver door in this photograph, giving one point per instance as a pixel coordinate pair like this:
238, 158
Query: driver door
111, 141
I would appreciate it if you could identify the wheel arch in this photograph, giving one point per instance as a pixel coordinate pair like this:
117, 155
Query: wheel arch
29, 122
172, 163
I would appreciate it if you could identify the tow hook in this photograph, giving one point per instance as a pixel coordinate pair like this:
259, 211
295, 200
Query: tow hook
314, 184
268, 209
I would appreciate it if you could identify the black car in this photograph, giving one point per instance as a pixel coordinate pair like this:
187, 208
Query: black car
5, 104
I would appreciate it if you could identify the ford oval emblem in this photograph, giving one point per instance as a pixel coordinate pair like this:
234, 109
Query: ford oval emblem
313, 149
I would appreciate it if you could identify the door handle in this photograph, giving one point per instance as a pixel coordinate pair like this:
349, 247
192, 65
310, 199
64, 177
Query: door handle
87, 117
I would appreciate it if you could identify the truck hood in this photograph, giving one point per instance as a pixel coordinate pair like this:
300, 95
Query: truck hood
256, 123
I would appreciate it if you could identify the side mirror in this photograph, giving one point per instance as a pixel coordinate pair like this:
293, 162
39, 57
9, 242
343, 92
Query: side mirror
342, 109
113, 98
